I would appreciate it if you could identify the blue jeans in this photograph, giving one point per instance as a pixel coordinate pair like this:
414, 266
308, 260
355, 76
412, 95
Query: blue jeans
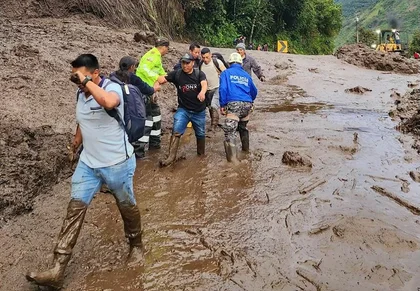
198, 120
119, 179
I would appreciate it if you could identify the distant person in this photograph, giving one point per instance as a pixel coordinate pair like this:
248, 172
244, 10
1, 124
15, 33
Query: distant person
191, 87
251, 46
212, 67
237, 95
126, 74
259, 47
265, 47
151, 71
107, 158
194, 50
416, 55
397, 37
249, 63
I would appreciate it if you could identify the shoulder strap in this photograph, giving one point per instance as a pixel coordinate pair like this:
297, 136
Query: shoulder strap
216, 64
197, 74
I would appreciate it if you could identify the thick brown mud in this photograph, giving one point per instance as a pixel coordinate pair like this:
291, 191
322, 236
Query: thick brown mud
262, 225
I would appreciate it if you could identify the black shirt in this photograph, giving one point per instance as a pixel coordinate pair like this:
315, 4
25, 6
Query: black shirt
188, 87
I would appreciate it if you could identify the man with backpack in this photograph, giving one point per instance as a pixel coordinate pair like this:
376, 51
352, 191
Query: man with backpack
151, 71
237, 95
212, 66
107, 158
191, 87
249, 63
126, 74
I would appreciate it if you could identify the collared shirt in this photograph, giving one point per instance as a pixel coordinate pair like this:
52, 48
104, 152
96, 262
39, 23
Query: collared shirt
103, 137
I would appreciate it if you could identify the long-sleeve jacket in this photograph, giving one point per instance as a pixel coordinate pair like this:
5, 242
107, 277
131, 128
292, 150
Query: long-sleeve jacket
236, 85
150, 67
249, 63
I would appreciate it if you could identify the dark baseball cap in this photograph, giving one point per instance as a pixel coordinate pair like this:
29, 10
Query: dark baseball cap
162, 41
126, 62
187, 58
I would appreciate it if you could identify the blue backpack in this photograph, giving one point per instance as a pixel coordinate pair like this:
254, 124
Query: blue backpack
134, 119
134, 110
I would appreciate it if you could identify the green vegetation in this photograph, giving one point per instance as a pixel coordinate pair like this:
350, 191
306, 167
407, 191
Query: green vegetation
379, 14
415, 44
310, 26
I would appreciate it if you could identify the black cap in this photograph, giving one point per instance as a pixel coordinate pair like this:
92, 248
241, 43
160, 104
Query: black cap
161, 41
187, 57
127, 62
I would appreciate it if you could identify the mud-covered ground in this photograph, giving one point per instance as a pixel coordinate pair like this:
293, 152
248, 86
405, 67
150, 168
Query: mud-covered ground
348, 223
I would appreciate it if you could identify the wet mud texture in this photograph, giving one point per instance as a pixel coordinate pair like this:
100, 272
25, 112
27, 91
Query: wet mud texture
364, 56
349, 223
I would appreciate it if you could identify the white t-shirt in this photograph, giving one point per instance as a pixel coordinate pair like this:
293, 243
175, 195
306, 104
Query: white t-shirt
212, 74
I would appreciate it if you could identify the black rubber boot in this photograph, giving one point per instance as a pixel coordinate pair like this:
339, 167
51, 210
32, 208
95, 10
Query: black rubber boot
244, 134
201, 146
67, 239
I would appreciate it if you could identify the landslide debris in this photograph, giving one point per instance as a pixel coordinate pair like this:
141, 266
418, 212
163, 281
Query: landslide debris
358, 90
294, 159
363, 56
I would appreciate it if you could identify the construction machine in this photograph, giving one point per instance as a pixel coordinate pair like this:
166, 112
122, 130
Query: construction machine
391, 40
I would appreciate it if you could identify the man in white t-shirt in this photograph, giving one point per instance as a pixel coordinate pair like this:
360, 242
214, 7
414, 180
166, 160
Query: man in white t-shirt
212, 67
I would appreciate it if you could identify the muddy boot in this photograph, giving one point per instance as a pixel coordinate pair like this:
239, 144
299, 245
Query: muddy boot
230, 150
201, 146
214, 115
132, 228
173, 149
70, 230
244, 134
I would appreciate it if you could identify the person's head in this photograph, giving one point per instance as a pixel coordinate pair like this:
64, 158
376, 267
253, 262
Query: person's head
127, 65
235, 58
88, 65
206, 55
162, 44
240, 48
187, 63
195, 50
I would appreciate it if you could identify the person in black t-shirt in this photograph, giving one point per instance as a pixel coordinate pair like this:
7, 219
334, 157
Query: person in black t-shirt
191, 87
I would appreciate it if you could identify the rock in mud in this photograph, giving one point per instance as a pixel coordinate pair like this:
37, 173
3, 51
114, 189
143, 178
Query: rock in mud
313, 70
358, 90
294, 159
415, 176
148, 37
363, 56
282, 66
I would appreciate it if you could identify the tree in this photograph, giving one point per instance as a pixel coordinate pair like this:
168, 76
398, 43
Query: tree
415, 43
367, 36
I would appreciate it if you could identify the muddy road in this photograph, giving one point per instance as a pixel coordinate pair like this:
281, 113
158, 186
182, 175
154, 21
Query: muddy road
263, 225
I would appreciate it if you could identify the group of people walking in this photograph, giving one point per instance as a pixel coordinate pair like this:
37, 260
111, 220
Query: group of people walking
202, 81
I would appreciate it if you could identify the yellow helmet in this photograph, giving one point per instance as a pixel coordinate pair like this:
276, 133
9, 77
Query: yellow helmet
235, 58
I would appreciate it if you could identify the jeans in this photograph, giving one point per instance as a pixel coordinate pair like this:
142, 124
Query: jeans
86, 181
198, 120
215, 103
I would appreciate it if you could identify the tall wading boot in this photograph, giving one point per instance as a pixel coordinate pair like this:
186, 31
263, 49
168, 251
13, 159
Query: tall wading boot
244, 134
132, 228
201, 146
70, 230
173, 149
214, 115
230, 150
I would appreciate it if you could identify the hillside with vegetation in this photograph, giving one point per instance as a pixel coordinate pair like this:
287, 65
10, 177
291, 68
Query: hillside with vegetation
310, 26
379, 14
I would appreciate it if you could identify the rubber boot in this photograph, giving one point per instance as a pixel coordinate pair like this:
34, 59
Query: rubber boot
132, 228
173, 149
244, 134
230, 150
201, 146
70, 230
214, 115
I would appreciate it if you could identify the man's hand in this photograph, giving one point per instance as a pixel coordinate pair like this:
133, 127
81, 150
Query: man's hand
161, 79
262, 79
201, 96
157, 87
223, 110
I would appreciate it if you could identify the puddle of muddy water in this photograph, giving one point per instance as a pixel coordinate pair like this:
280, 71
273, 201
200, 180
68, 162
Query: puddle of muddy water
301, 107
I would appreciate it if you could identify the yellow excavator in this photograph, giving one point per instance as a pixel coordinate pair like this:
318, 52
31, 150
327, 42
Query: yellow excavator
390, 40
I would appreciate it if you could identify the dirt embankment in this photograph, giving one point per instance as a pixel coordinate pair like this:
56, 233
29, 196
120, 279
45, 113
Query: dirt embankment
363, 56
38, 99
